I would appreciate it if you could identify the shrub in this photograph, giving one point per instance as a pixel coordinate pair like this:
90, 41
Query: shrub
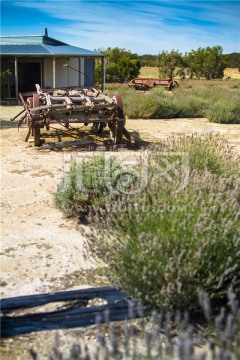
138, 105
179, 244
190, 103
169, 244
87, 183
165, 109
173, 239
205, 152
197, 101
92, 184
224, 112
4, 79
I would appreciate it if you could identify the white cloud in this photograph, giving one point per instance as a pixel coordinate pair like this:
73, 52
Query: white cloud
142, 26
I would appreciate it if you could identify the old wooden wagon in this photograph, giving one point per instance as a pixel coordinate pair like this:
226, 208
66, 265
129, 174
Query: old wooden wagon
72, 105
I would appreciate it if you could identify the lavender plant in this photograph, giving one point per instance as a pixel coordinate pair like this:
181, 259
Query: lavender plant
169, 245
169, 336
178, 244
172, 240
86, 184
206, 152
224, 112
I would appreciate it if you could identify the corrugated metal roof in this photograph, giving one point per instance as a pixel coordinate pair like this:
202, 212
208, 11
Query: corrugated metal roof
40, 45
70, 50
21, 40
23, 50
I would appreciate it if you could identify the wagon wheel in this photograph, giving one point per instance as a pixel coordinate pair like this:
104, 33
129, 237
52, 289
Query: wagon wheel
29, 103
116, 127
173, 85
36, 129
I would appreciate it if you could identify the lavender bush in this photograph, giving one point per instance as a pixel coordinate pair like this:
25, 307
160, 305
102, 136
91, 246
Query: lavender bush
176, 237
169, 245
218, 103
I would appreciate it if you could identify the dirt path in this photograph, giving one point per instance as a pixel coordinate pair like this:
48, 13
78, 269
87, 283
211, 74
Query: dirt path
40, 249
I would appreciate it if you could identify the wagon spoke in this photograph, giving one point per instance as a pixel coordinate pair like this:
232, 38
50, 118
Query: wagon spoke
36, 128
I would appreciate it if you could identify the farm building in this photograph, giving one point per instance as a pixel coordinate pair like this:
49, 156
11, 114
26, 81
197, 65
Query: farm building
46, 61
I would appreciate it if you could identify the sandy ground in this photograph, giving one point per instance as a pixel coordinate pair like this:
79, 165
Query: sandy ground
38, 245
41, 250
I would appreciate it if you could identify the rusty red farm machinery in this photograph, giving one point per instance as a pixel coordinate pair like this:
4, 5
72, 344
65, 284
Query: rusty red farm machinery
72, 105
149, 83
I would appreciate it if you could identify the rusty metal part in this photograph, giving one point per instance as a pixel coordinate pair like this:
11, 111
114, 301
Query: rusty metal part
74, 105
149, 83
21, 120
116, 127
15, 117
36, 128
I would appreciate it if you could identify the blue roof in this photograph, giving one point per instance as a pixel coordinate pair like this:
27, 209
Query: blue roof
40, 45
23, 50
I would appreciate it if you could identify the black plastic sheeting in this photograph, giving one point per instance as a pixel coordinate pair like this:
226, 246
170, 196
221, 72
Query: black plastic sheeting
76, 312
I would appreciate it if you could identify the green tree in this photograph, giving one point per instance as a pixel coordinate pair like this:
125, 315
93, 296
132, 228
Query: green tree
148, 60
213, 65
194, 60
121, 65
129, 68
206, 62
167, 63
232, 60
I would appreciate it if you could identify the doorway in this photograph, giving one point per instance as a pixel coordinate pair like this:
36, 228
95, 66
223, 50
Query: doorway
29, 74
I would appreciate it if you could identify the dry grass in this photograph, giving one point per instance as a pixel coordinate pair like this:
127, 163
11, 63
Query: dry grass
151, 71
190, 83
233, 73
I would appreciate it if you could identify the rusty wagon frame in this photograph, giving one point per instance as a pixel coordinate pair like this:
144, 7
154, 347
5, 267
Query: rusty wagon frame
149, 83
72, 105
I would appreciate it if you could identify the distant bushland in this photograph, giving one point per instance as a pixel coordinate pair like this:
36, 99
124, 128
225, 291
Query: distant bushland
122, 65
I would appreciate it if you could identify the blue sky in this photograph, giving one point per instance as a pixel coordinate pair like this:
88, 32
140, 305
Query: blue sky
141, 26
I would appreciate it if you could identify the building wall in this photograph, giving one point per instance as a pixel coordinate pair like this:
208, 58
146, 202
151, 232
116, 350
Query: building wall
62, 75
74, 76
79, 73
48, 73
65, 76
